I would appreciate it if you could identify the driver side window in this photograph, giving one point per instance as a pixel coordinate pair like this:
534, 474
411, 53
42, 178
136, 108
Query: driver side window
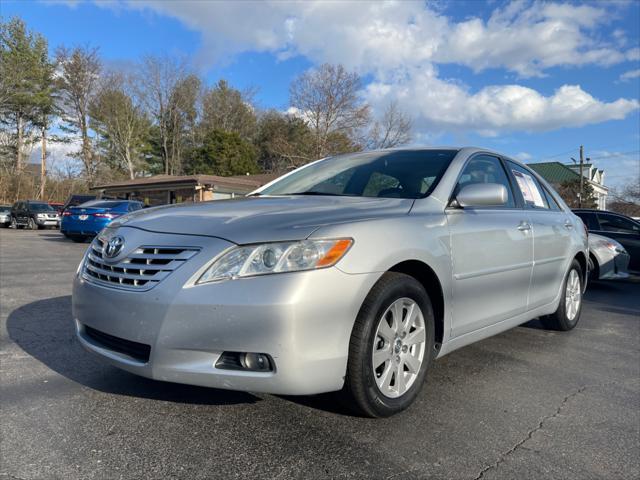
485, 169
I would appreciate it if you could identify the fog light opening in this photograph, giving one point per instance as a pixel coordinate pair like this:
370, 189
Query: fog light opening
254, 362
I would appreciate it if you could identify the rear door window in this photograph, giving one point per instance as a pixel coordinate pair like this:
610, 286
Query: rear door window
553, 205
531, 190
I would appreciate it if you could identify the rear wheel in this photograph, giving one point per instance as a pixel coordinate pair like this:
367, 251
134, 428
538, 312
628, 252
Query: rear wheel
567, 315
391, 347
13, 223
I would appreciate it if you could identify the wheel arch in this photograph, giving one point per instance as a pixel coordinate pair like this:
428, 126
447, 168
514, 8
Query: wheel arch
427, 277
582, 260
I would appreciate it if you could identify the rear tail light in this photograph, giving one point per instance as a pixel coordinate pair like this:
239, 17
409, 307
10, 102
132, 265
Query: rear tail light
106, 215
66, 213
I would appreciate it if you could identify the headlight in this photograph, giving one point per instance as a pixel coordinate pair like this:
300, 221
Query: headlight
41, 215
266, 258
613, 246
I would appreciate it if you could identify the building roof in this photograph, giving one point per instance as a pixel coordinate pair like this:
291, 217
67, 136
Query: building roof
554, 172
262, 178
241, 182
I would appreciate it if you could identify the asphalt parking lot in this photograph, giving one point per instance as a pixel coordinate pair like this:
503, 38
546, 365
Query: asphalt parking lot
527, 404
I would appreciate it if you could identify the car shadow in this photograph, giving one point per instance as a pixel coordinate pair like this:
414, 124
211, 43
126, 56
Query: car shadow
54, 237
44, 329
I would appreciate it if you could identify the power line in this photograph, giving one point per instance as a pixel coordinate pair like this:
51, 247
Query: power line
615, 154
573, 150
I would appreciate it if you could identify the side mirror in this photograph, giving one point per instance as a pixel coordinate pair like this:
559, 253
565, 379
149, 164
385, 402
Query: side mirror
482, 195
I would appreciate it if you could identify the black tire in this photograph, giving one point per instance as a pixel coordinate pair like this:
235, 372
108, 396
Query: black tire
31, 224
361, 392
14, 223
559, 320
77, 238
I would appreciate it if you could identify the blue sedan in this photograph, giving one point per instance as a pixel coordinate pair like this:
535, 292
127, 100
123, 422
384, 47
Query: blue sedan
88, 219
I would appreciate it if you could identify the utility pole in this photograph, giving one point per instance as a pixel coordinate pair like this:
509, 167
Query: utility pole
43, 162
581, 176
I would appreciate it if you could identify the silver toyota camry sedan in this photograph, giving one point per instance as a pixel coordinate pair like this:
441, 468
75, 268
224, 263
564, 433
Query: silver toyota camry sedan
352, 273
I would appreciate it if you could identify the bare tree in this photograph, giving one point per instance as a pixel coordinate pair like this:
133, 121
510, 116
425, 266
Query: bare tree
120, 123
626, 198
78, 74
157, 80
392, 130
183, 114
328, 99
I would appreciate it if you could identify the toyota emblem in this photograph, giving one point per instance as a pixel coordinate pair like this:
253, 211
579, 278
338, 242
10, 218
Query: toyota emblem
114, 246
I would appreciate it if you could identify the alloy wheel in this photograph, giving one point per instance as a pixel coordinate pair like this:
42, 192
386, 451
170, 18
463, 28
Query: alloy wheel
573, 295
399, 347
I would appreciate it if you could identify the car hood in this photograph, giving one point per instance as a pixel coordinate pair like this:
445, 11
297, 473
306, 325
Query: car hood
262, 219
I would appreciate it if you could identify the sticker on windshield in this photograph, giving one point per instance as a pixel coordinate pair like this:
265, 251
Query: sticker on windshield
528, 188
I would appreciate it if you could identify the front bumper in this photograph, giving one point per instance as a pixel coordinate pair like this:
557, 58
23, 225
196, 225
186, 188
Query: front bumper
615, 267
48, 222
302, 320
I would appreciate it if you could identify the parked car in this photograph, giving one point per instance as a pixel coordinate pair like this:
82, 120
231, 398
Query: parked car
352, 273
77, 199
88, 219
34, 214
608, 260
613, 225
5, 215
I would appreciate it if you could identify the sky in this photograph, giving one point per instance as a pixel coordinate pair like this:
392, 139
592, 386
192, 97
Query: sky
534, 80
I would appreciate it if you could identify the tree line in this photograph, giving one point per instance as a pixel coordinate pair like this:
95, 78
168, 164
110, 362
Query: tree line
159, 116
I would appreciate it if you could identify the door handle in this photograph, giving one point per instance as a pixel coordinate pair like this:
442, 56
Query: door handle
524, 226
568, 225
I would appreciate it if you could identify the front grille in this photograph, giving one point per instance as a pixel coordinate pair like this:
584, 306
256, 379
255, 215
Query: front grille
139, 351
141, 270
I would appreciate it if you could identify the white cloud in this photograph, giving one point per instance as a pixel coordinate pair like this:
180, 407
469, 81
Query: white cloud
438, 103
399, 43
625, 77
523, 156
523, 37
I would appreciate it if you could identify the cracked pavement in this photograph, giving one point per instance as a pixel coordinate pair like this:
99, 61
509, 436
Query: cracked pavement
526, 404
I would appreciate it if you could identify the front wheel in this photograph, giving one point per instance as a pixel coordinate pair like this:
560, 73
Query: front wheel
77, 238
391, 347
32, 224
567, 315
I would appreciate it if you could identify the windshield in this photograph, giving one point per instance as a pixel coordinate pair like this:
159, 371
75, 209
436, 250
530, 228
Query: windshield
394, 174
41, 207
5, 209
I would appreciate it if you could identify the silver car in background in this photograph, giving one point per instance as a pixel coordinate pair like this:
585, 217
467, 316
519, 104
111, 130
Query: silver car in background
352, 273
5, 215
608, 260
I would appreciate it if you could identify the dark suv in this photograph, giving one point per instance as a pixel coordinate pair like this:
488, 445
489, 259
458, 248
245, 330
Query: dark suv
617, 226
34, 214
